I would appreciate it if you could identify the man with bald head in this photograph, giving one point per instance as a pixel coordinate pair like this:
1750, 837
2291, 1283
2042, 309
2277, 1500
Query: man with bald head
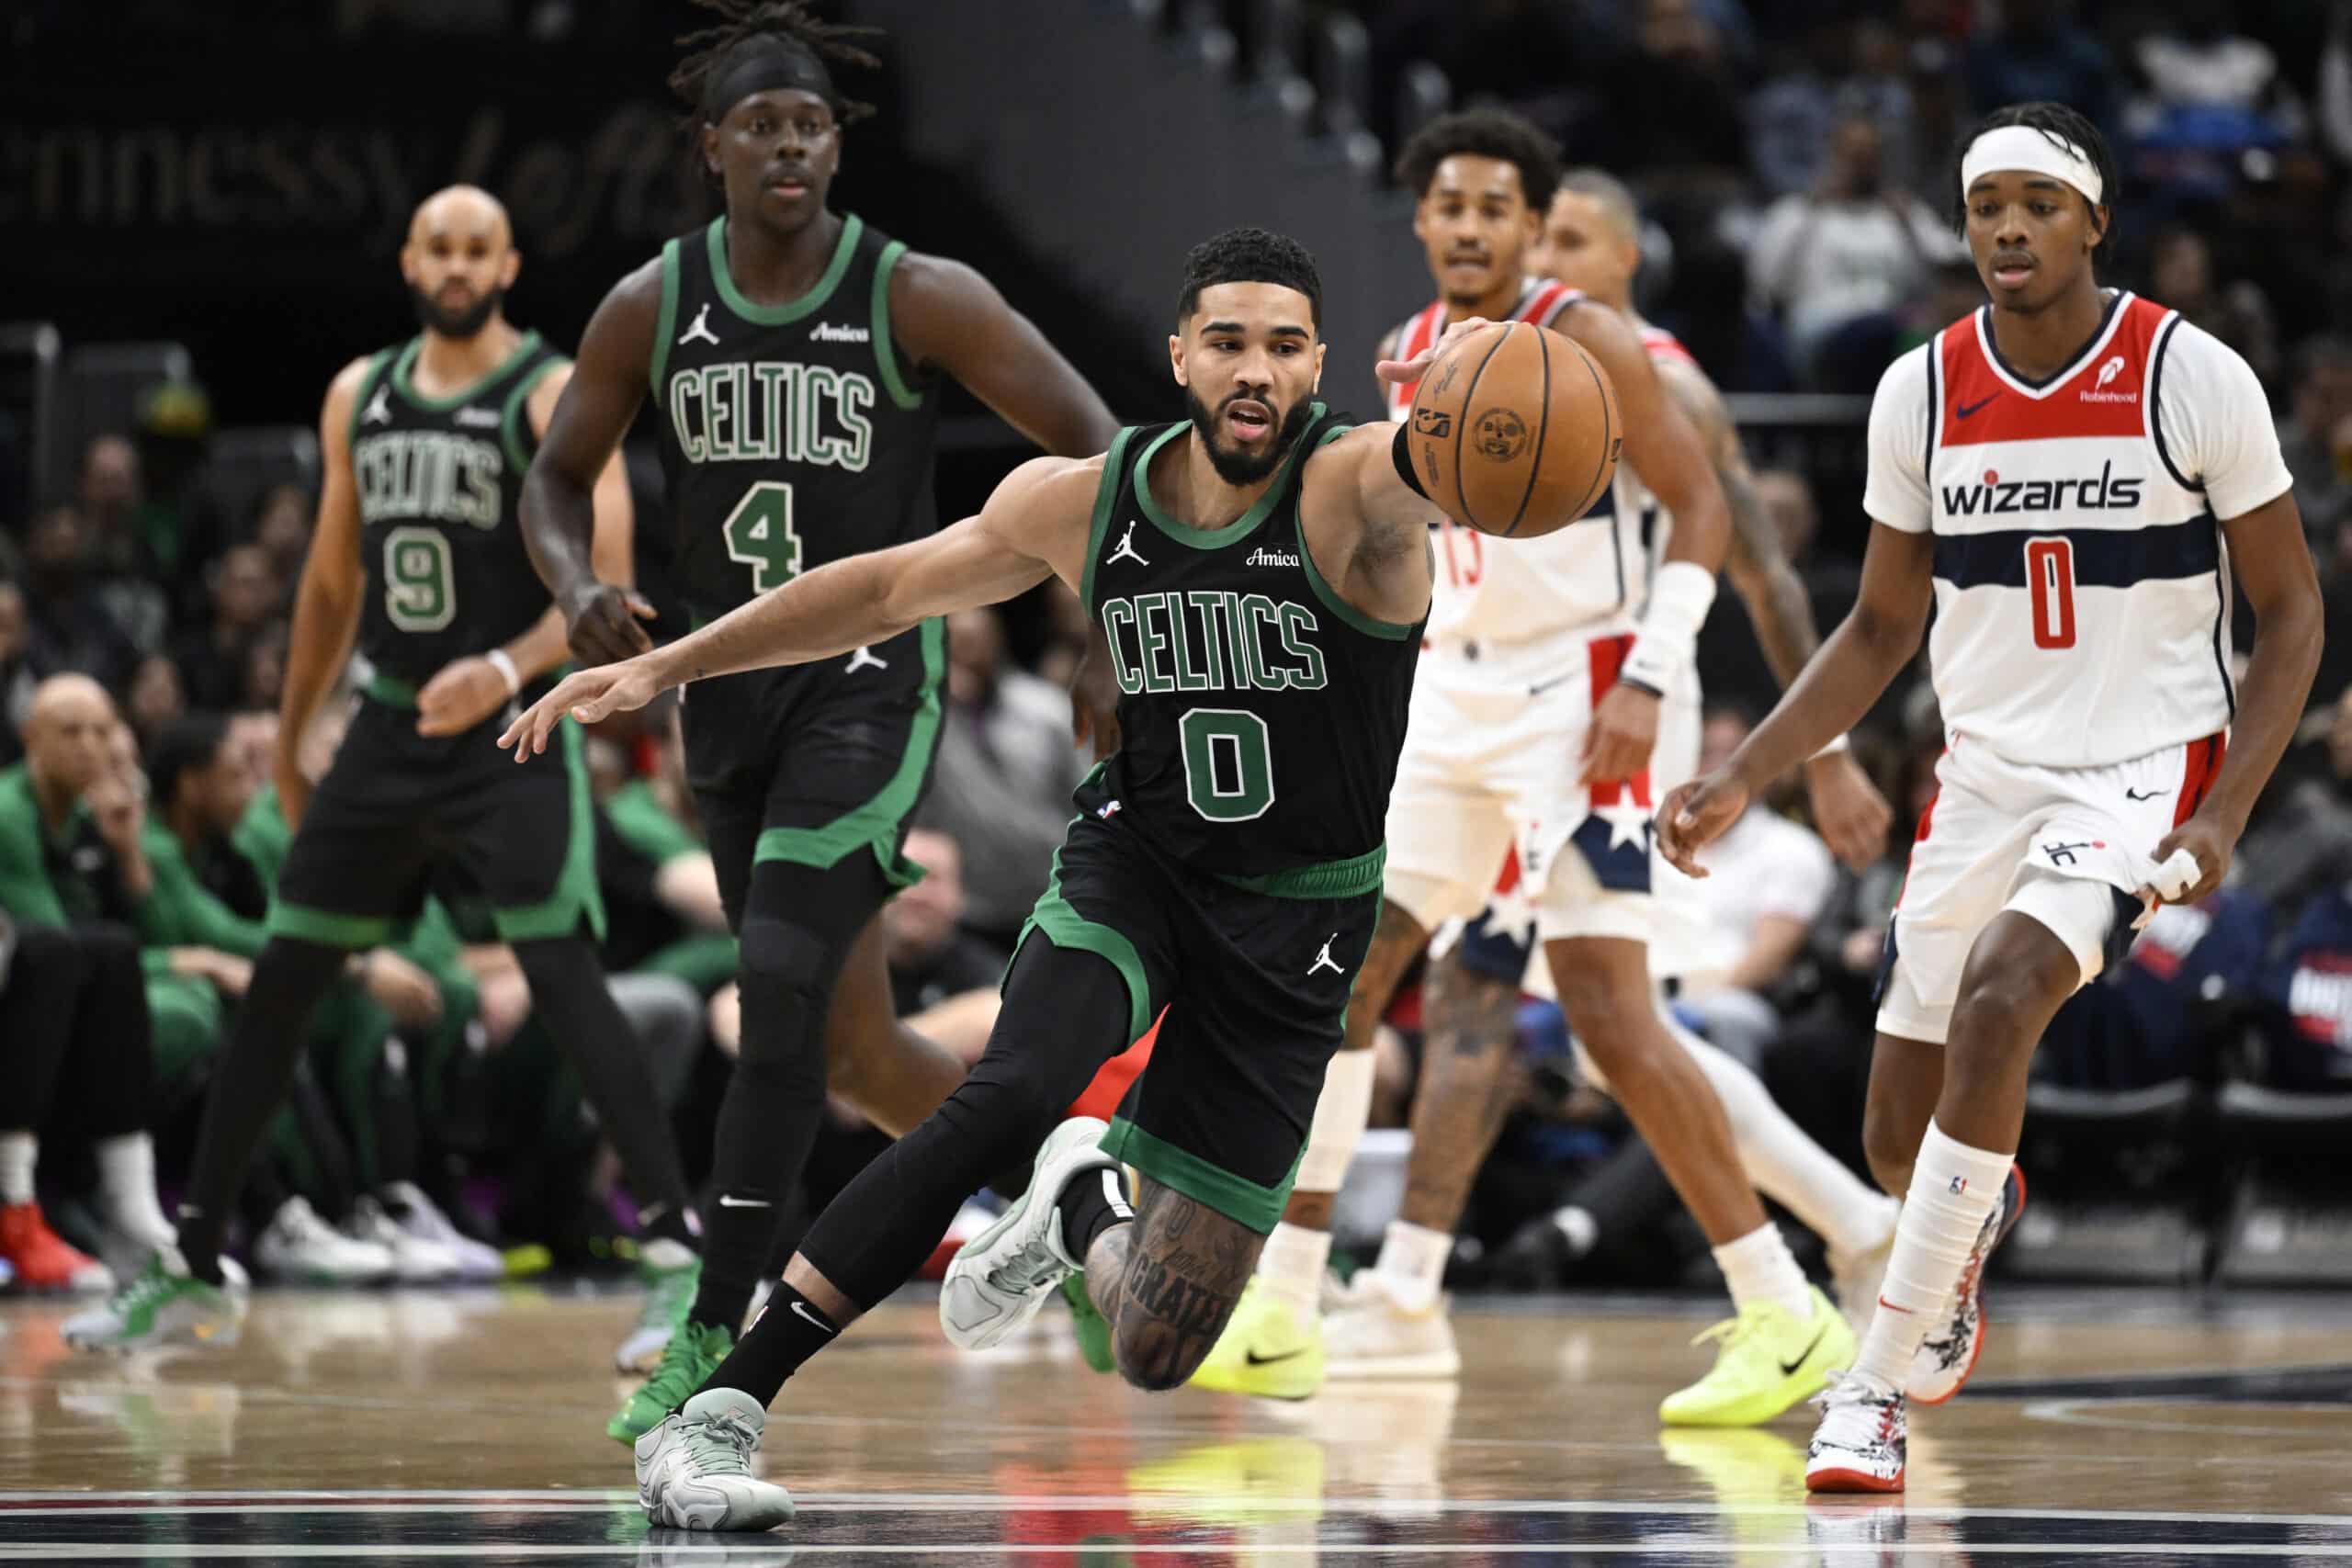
417, 558
75, 1038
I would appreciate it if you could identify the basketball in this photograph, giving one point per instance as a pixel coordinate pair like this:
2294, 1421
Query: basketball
1515, 431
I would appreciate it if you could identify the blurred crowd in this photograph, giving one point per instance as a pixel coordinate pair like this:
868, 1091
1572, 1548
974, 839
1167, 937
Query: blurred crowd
1792, 161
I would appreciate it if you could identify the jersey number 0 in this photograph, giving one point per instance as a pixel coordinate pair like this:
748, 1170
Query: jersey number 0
759, 533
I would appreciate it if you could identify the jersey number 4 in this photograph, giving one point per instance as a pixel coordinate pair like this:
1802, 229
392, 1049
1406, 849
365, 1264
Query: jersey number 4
2049, 578
759, 533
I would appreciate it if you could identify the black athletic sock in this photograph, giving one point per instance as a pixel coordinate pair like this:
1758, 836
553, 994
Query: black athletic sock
1090, 1205
568, 990
789, 1331
248, 1083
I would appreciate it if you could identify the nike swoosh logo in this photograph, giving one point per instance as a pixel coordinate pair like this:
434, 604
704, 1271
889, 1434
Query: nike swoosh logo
1788, 1368
728, 1200
1255, 1360
801, 1312
1541, 687
1964, 409
2130, 794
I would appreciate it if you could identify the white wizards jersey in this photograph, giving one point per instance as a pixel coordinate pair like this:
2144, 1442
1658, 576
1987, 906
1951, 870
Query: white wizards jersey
2081, 582
1587, 578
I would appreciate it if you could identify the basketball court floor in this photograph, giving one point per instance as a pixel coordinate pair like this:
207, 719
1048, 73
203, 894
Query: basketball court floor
467, 1426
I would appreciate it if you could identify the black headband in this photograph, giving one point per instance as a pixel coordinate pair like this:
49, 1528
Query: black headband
780, 64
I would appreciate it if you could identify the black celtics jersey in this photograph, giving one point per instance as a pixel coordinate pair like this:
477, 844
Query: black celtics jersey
1260, 714
792, 435
440, 479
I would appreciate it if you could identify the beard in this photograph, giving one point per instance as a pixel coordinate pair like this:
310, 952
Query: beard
1235, 467
457, 324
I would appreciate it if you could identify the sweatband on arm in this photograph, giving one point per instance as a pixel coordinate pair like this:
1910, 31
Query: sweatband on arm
1668, 639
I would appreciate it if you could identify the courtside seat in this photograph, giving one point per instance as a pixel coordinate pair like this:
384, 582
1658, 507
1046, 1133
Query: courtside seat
2290, 1219
2118, 1191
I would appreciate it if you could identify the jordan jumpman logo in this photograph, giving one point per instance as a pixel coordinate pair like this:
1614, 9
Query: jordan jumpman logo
1324, 960
698, 330
865, 659
379, 407
1126, 550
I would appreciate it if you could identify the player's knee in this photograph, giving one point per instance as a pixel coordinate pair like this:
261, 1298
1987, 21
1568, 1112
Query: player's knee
786, 973
2000, 1014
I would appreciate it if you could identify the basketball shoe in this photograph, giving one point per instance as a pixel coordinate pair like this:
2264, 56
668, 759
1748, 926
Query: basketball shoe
671, 1274
1862, 1442
1374, 1335
1944, 1361
421, 1218
1002, 1275
163, 1304
301, 1249
692, 1354
1094, 1330
694, 1468
1269, 1348
1770, 1360
42, 1258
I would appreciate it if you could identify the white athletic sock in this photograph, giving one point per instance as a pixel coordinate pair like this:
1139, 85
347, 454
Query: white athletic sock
1412, 1264
1954, 1189
1758, 1268
1291, 1263
18, 1154
1785, 1165
126, 1182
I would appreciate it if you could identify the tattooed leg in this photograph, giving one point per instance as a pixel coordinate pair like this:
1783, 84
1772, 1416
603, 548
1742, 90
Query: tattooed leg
1168, 1282
1465, 1087
1397, 940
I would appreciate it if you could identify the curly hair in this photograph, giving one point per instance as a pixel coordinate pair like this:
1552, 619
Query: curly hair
2072, 130
1483, 133
752, 21
1250, 256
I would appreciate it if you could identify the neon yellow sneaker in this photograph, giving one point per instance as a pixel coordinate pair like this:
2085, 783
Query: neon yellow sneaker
692, 1353
1771, 1361
1269, 1348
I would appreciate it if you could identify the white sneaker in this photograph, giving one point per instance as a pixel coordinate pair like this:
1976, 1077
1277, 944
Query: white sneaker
301, 1249
1373, 1336
420, 1218
694, 1471
1861, 1443
416, 1260
163, 1304
1004, 1274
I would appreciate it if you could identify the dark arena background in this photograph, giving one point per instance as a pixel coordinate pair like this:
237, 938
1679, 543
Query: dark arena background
203, 210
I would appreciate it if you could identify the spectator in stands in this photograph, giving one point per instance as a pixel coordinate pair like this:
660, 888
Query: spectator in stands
931, 957
1675, 118
2211, 89
214, 658
265, 668
282, 528
2180, 273
1005, 770
2034, 51
116, 547
154, 699
77, 1048
1770, 880
2316, 439
17, 678
72, 628
1839, 262
1846, 69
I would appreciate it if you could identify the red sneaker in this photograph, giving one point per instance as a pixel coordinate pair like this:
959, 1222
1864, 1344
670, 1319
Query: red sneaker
42, 1262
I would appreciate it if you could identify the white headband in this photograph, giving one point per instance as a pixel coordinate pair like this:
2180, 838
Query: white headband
2023, 148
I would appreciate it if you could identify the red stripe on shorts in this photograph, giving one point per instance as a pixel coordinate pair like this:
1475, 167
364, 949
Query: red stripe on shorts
2202, 761
1604, 656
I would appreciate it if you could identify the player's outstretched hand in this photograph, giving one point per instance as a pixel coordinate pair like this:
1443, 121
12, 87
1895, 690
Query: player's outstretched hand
461, 695
587, 696
2190, 862
1624, 731
1411, 369
601, 619
1847, 810
1696, 815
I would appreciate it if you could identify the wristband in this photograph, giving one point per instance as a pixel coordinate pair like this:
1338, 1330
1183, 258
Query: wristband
1403, 459
1843, 743
505, 666
1668, 639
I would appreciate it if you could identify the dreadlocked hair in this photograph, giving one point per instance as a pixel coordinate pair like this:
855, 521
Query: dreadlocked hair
748, 20
2063, 126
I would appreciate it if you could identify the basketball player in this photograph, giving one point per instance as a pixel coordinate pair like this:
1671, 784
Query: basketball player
794, 357
2074, 476
417, 557
1262, 570
1548, 660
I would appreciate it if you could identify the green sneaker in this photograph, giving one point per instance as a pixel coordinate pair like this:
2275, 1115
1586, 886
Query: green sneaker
692, 1353
162, 1304
671, 1274
1093, 1329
